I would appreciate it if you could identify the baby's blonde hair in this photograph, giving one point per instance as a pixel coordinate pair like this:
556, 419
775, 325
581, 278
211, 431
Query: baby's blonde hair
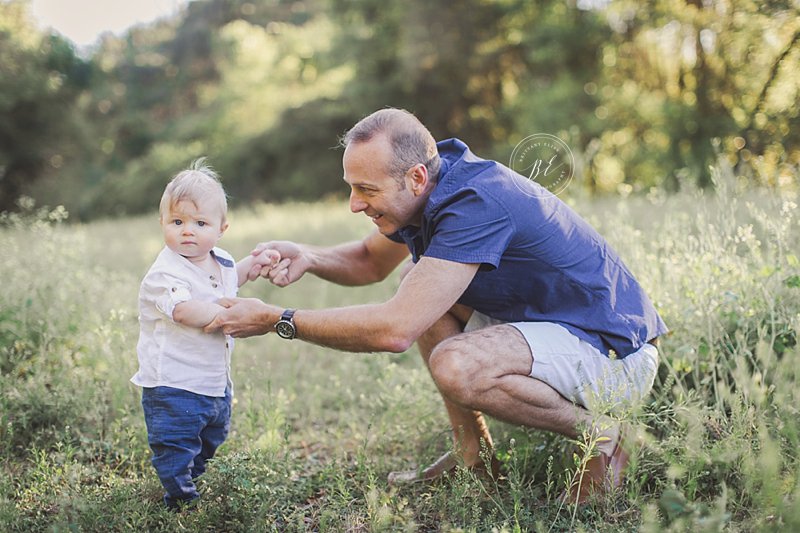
198, 182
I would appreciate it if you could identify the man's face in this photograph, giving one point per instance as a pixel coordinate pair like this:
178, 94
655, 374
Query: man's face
192, 230
390, 205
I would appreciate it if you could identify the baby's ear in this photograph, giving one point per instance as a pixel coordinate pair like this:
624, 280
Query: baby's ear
223, 228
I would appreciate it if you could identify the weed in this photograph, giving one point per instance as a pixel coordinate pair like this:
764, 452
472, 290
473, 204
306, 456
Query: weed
314, 431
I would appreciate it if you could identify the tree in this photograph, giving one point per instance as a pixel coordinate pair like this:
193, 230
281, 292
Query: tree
41, 79
679, 76
448, 62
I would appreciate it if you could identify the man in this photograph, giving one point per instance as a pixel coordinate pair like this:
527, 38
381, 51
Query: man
520, 309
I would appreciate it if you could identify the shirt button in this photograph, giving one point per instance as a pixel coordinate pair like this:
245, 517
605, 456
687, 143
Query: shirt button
214, 285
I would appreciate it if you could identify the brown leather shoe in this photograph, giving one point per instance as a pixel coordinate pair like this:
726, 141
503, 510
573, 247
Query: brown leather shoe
445, 464
602, 475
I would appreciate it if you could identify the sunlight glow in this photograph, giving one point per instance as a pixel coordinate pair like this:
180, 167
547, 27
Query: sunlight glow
83, 21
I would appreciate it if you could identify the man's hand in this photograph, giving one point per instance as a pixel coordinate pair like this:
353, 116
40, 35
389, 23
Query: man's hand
292, 265
244, 317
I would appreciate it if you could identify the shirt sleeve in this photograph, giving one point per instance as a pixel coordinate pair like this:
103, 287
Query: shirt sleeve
165, 291
472, 228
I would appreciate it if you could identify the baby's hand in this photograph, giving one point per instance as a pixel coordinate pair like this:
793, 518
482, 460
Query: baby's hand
266, 259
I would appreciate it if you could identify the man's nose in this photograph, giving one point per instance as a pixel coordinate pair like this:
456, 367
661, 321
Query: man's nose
356, 204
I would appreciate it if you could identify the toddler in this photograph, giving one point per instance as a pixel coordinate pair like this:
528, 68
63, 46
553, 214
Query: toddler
184, 372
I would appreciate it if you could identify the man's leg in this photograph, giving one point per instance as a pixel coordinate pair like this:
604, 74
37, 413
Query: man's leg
469, 427
488, 370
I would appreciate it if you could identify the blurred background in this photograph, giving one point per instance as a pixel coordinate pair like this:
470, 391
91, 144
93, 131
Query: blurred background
646, 94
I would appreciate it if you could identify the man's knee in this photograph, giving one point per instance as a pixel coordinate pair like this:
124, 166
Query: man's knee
455, 369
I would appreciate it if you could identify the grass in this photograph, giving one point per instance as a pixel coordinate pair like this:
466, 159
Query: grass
316, 431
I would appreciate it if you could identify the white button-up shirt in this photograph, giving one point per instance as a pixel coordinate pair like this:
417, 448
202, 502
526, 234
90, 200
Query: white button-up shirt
174, 355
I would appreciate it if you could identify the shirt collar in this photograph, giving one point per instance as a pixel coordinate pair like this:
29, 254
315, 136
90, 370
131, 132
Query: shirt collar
451, 152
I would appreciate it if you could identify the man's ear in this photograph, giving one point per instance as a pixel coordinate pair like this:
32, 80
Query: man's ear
418, 174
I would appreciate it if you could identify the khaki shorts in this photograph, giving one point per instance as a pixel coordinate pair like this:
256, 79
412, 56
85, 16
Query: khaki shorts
579, 371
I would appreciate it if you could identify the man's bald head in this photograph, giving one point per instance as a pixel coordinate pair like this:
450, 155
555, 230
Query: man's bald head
410, 140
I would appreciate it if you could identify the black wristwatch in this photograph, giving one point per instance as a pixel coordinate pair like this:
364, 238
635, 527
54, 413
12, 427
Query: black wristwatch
285, 326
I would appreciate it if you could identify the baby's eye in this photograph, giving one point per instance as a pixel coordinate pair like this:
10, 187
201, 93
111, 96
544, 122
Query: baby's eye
201, 223
177, 222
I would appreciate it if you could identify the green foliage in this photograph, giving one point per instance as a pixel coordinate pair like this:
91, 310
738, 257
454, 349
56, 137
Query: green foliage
683, 74
40, 82
644, 94
447, 62
315, 432
56, 327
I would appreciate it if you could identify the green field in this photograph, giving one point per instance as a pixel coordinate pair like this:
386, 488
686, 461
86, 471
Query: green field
315, 431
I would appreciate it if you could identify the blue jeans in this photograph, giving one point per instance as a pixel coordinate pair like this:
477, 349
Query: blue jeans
184, 430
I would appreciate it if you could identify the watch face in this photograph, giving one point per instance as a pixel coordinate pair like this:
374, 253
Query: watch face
285, 329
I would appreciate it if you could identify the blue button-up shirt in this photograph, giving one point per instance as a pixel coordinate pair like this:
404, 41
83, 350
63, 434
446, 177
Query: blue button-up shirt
540, 261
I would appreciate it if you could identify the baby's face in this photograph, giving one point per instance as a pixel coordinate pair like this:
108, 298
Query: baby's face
193, 229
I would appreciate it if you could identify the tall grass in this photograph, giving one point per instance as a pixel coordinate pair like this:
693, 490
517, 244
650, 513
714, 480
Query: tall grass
315, 431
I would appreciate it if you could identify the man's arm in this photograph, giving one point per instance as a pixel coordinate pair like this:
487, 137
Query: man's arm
425, 294
355, 263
